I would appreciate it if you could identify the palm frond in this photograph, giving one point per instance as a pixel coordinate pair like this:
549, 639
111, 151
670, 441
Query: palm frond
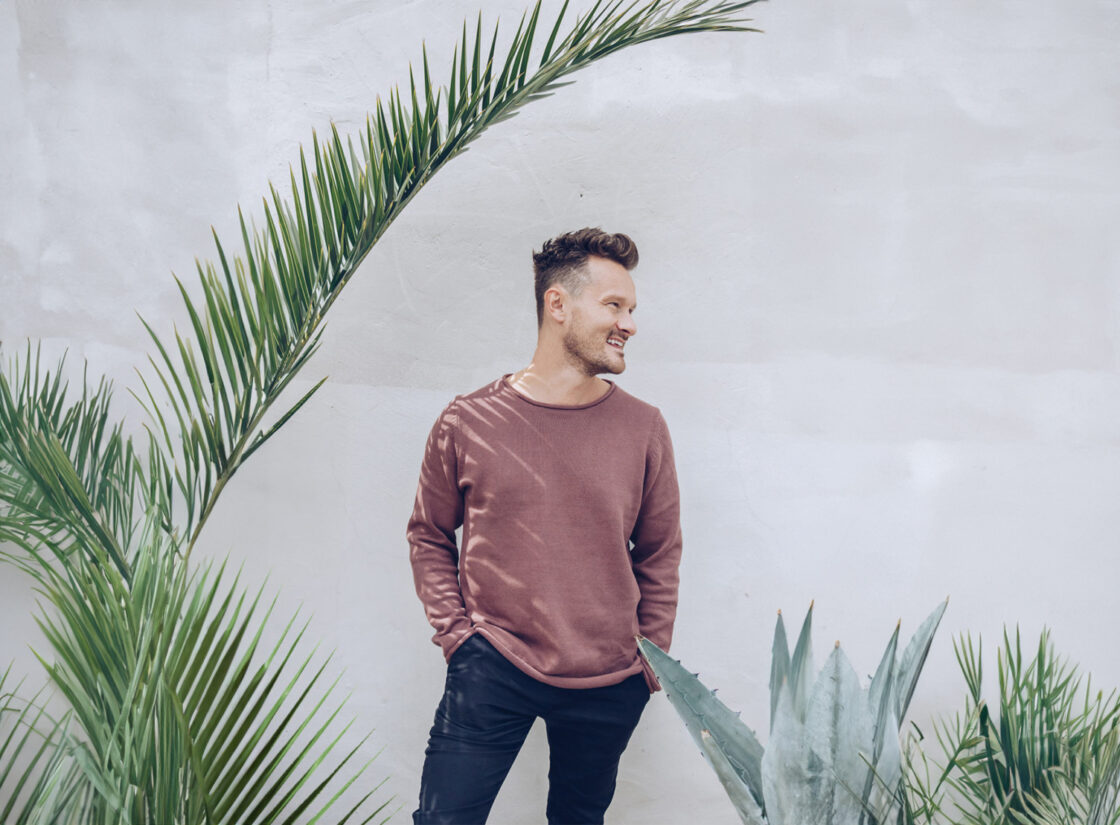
35, 785
183, 718
259, 314
178, 720
1045, 755
67, 472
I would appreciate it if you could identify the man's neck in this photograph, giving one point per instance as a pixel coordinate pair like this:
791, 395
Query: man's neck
552, 381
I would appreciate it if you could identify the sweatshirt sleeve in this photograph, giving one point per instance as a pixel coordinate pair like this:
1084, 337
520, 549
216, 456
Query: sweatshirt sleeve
656, 541
438, 512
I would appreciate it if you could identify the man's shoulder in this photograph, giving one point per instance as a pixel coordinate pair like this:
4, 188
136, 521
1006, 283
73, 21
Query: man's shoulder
644, 421
475, 397
632, 404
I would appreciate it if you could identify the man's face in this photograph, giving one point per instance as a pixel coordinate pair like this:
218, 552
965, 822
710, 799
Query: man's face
601, 318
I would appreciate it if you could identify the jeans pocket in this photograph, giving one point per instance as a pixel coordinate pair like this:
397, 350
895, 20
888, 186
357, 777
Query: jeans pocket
465, 648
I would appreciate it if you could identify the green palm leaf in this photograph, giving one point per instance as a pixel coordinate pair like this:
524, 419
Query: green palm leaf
183, 717
1047, 752
66, 471
35, 785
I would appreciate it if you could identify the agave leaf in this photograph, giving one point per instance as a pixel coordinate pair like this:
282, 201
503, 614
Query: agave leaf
741, 796
882, 683
801, 666
788, 755
880, 797
839, 727
881, 701
823, 767
914, 659
834, 756
779, 667
702, 711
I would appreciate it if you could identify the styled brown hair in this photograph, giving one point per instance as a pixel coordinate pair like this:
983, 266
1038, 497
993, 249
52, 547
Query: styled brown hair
563, 260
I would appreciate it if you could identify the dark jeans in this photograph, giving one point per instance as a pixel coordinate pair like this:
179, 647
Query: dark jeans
487, 709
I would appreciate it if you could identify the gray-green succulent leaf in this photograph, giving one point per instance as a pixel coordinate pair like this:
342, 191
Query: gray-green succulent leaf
834, 756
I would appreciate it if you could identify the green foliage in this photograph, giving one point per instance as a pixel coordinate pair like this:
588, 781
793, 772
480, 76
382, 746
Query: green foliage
176, 713
68, 478
833, 754
1049, 756
32, 771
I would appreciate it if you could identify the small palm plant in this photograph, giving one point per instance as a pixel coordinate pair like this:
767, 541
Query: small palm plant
833, 754
176, 712
1048, 755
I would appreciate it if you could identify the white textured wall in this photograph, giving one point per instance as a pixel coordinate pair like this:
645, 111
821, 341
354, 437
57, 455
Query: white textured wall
880, 303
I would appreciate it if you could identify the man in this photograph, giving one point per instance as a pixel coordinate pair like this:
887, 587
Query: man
566, 492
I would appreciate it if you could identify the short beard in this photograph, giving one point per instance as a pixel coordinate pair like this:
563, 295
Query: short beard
590, 366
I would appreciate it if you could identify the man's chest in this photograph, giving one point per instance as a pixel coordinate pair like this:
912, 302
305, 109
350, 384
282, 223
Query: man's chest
595, 470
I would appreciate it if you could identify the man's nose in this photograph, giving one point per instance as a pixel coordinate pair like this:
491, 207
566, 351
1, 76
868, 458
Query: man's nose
627, 324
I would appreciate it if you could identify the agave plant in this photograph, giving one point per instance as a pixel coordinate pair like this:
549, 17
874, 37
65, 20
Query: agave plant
833, 754
1049, 755
175, 712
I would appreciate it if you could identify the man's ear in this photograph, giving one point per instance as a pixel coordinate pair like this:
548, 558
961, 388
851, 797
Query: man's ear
556, 303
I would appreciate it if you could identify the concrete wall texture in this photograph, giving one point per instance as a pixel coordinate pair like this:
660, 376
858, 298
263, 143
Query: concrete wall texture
880, 310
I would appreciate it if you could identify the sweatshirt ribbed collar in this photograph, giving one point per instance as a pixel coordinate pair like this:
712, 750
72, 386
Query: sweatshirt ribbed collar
504, 386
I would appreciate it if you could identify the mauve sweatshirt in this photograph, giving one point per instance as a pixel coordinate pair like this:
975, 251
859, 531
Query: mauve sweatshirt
571, 534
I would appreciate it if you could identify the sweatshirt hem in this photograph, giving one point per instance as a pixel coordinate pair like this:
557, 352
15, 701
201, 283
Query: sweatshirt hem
567, 682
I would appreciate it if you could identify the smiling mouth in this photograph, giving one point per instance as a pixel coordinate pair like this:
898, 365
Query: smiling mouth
616, 342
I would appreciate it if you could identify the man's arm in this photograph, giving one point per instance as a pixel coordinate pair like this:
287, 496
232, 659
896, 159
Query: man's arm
438, 512
656, 551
